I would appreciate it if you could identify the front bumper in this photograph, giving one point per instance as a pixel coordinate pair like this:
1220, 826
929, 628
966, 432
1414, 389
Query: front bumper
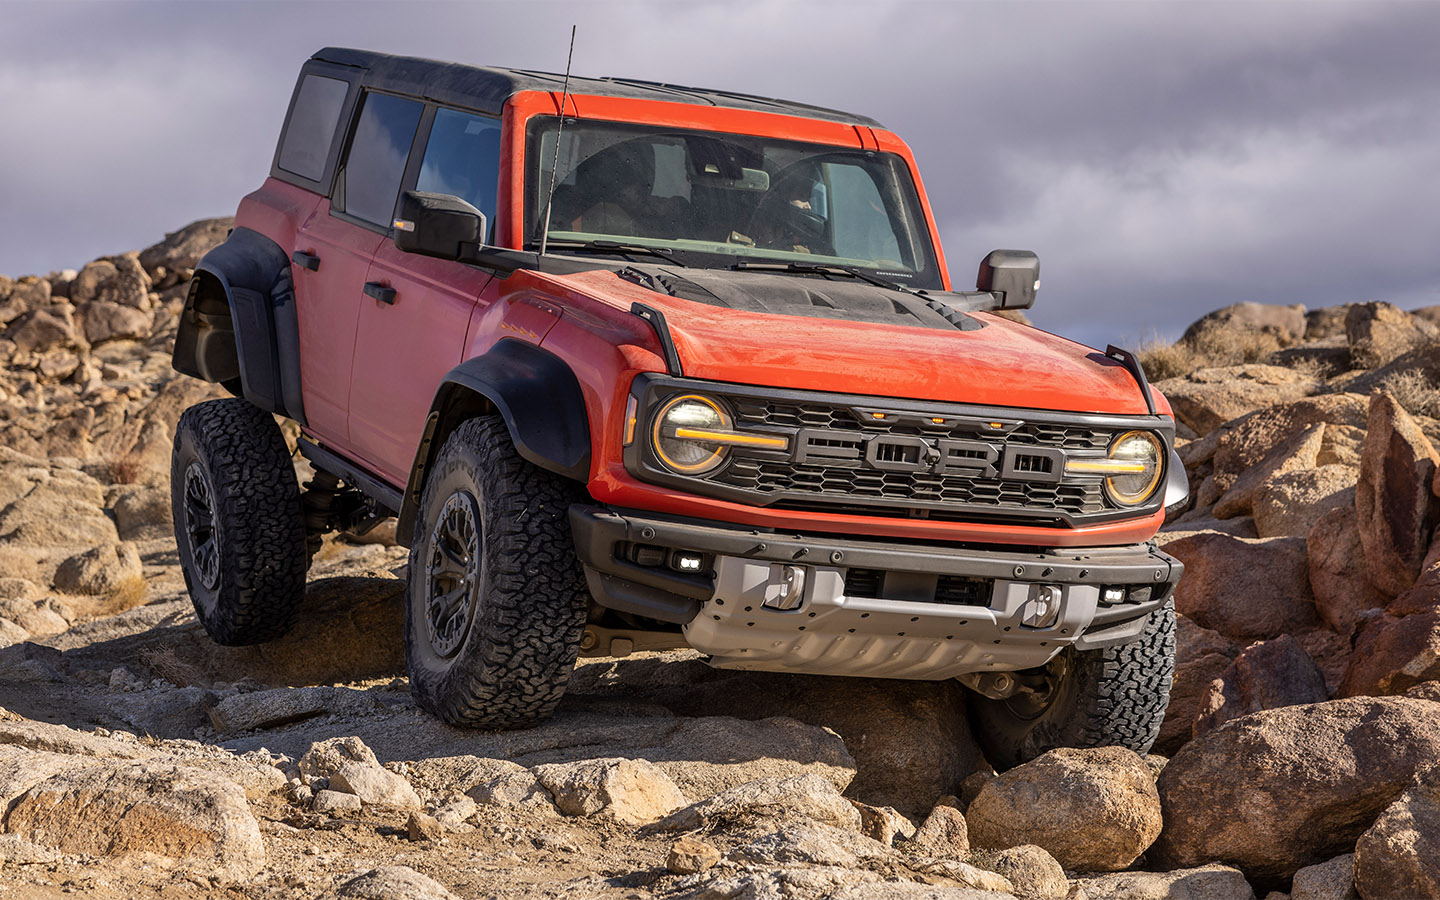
840, 606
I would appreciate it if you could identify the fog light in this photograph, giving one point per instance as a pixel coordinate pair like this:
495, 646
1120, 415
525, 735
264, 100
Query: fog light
686, 561
1112, 595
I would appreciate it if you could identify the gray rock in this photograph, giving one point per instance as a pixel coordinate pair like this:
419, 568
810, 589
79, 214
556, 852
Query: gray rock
394, 883
1398, 857
324, 758
1035, 874
1209, 882
1333, 880
944, 832
375, 786
281, 706
813, 844
332, 802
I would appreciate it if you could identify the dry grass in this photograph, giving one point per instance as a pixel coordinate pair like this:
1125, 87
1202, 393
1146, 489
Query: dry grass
126, 469
128, 594
166, 664
1416, 393
1210, 348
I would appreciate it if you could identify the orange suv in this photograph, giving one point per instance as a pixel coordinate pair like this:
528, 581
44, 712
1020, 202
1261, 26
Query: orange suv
640, 366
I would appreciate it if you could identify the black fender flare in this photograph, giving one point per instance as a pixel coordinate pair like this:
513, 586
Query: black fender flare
256, 337
536, 394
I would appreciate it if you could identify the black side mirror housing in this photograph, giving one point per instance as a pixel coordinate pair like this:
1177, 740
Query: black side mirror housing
1013, 276
437, 225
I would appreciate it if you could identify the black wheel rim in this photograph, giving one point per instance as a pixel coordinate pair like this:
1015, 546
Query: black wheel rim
200, 526
452, 574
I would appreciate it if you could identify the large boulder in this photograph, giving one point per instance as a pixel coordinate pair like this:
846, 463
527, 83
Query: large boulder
1333, 880
1244, 589
1289, 505
1398, 858
773, 801
182, 249
1211, 882
1247, 442
186, 814
1201, 656
1393, 654
105, 320
1286, 323
1266, 675
1394, 503
100, 570
1206, 398
1339, 577
1094, 810
1035, 874
1378, 333
1281, 789
46, 328
1298, 453
1424, 595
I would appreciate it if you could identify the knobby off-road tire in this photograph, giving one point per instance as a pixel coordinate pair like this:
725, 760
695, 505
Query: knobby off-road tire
238, 526
1112, 697
496, 601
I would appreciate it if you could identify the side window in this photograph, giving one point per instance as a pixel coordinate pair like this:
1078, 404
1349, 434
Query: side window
463, 159
376, 161
311, 128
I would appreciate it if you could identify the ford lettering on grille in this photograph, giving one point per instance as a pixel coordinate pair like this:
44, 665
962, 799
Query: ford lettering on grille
939, 456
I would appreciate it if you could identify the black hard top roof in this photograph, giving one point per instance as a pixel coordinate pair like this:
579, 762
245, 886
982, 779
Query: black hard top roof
485, 89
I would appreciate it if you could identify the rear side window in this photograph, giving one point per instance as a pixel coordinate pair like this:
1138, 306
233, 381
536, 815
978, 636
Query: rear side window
463, 159
311, 128
376, 163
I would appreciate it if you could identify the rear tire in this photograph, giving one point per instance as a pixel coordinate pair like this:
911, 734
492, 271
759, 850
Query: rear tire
238, 529
496, 601
1111, 697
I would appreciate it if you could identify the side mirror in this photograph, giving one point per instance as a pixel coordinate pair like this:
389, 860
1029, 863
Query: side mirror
1012, 275
437, 224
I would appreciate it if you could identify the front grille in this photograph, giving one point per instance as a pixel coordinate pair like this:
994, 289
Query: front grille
905, 489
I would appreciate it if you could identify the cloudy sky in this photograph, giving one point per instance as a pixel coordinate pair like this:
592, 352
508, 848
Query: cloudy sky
1163, 158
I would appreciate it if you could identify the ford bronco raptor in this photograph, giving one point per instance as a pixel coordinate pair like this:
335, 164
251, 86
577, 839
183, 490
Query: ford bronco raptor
640, 366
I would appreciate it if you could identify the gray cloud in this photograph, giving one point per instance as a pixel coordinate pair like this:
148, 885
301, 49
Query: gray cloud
1163, 158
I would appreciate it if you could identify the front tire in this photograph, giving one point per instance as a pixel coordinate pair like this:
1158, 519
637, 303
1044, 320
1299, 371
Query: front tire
496, 602
1111, 697
238, 527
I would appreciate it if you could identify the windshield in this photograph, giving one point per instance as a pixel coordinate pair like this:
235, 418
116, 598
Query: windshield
713, 199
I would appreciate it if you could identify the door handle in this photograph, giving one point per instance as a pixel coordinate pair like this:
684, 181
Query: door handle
380, 292
305, 260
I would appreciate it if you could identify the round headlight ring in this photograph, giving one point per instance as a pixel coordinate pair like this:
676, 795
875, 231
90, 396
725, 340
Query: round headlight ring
1134, 489
684, 456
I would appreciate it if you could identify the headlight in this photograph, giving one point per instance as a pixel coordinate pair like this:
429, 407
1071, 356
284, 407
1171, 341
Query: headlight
676, 425
692, 435
1140, 451
1131, 470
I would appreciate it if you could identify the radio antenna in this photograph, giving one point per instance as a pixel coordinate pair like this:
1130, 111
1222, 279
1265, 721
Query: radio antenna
555, 164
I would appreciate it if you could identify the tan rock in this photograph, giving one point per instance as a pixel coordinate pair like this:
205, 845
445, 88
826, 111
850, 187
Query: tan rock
183, 248
335, 802
1101, 809
1249, 441
776, 800
375, 786
1266, 675
1399, 856
1035, 874
45, 329
143, 513
1424, 595
1296, 454
1392, 655
420, 827
630, 791
394, 883
1286, 323
106, 320
1289, 505
1394, 503
1338, 574
88, 280
186, 814
1379, 333
1342, 446
974, 883
1207, 398
99, 570
883, 823
1282, 789
944, 833
1210, 882
689, 856
1426, 690
1333, 880
809, 844
1244, 589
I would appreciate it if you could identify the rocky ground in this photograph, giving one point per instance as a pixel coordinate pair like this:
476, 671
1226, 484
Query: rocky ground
137, 759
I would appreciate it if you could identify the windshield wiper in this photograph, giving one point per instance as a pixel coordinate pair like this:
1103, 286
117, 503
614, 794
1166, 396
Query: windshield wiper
603, 246
824, 269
